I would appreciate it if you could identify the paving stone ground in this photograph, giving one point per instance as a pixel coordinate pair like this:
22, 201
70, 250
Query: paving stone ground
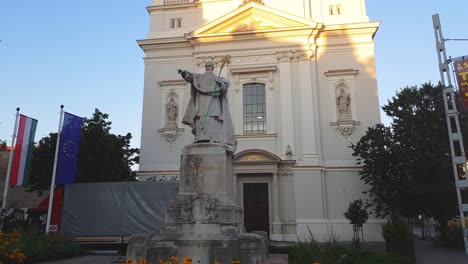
426, 253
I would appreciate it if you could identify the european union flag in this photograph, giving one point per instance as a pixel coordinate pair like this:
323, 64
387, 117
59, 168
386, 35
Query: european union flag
68, 149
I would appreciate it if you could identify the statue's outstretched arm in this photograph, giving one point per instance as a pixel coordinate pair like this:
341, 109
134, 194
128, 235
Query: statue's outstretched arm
188, 76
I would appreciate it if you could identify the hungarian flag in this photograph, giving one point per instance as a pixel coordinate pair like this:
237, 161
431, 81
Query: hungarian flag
23, 151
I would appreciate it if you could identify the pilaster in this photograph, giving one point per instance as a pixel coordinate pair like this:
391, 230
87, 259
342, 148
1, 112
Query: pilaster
287, 118
309, 148
276, 224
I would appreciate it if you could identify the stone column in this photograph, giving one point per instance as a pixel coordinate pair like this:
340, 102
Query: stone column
287, 117
309, 149
276, 225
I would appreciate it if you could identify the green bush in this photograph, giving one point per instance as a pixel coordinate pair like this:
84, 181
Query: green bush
305, 251
331, 251
396, 230
453, 238
358, 256
310, 250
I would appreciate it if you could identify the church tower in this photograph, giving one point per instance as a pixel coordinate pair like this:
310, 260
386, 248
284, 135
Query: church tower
303, 88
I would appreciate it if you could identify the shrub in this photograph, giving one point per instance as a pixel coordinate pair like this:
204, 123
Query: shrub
30, 246
398, 236
311, 251
9, 252
395, 229
305, 251
11, 219
453, 237
358, 256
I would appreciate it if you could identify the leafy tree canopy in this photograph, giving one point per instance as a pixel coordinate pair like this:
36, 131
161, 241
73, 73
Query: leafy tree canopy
407, 164
103, 156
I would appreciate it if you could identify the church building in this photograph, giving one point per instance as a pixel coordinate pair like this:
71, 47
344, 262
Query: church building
302, 89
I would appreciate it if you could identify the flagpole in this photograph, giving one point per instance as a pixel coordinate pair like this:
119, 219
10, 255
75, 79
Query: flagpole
54, 171
10, 160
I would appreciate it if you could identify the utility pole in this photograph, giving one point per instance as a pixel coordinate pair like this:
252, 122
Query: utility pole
453, 126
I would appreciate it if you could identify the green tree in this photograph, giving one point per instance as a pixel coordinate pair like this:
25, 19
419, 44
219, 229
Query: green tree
407, 164
103, 156
3, 145
357, 216
43, 162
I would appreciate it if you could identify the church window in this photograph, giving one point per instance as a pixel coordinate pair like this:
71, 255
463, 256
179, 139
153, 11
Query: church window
254, 108
339, 10
175, 23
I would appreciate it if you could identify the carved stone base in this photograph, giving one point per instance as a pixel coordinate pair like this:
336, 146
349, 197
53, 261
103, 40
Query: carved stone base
345, 127
248, 248
204, 222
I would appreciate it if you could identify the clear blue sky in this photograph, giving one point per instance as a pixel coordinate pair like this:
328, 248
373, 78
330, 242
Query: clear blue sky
83, 54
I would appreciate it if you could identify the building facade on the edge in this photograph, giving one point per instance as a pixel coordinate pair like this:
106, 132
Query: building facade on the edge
303, 88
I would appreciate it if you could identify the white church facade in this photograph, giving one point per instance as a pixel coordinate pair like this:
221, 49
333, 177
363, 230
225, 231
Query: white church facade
303, 88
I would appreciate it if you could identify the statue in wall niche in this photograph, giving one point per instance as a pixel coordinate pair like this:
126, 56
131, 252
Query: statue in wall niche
208, 110
342, 102
171, 113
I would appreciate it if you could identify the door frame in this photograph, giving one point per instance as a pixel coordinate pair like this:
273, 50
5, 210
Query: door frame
256, 178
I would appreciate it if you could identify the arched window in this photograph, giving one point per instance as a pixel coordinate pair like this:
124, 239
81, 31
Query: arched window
254, 108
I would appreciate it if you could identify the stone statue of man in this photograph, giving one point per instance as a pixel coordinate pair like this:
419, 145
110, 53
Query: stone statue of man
172, 110
208, 110
342, 101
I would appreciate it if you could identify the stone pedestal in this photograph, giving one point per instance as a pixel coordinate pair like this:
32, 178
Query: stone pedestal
203, 223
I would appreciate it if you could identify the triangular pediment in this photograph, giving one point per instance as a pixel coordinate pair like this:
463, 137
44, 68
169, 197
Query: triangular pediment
253, 17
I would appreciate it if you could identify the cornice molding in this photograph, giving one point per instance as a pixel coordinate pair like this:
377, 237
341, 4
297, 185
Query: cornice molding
156, 8
341, 72
172, 82
350, 29
164, 43
250, 69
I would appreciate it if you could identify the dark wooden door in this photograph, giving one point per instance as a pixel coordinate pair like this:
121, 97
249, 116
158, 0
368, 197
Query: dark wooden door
256, 213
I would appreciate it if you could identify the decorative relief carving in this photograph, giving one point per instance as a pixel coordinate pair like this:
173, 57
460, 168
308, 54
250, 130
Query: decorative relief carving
260, 2
270, 81
254, 157
163, 178
181, 211
252, 25
171, 134
294, 55
345, 131
284, 56
196, 208
345, 128
303, 54
264, 59
236, 83
217, 60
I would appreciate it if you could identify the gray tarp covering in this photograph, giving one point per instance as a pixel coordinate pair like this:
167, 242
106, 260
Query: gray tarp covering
115, 209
